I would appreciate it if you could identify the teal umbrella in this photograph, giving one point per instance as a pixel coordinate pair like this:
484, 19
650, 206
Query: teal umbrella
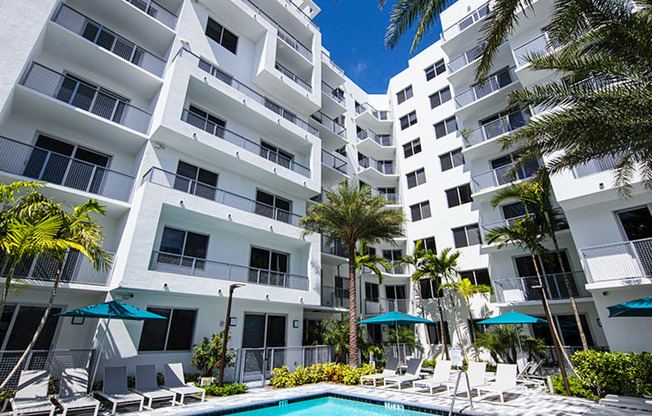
512, 317
638, 307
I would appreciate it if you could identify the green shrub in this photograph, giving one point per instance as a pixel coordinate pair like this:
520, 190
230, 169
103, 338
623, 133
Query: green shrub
207, 354
5, 395
428, 363
226, 390
576, 387
332, 372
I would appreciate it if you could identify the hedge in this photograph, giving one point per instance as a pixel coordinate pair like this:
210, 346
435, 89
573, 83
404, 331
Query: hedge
332, 372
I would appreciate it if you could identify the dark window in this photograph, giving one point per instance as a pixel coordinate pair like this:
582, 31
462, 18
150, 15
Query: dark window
276, 155
173, 334
223, 36
451, 159
182, 326
427, 244
434, 333
404, 94
440, 97
420, 211
570, 334
511, 211
459, 195
477, 277
408, 120
429, 289
474, 322
194, 180
184, 243
418, 177
637, 223
205, 121
468, 235
445, 127
26, 322
525, 265
437, 68
371, 291
273, 206
412, 148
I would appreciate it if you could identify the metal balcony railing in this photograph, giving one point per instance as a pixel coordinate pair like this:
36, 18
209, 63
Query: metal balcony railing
337, 249
241, 141
501, 80
466, 21
381, 139
596, 166
619, 261
193, 266
326, 58
283, 70
464, 59
94, 32
334, 297
495, 128
335, 93
383, 115
525, 289
394, 268
382, 167
329, 123
181, 183
87, 97
538, 45
333, 161
384, 305
501, 176
392, 197
76, 269
157, 11
237, 85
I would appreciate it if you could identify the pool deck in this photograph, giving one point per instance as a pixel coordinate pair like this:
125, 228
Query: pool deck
535, 404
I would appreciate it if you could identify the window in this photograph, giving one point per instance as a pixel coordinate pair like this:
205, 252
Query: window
428, 289
420, 211
451, 160
434, 333
637, 223
427, 244
393, 257
273, 206
268, 267
445, 127
437, 68
172, 334
194, 180
525, 265
99, 101
477, 277
221, 35
440, 97
404, 94
468, 235
183, 248
474, 323
502, 165
205, 121
276, 155
512, 211
408, 120
371, 291
459, 195
418, 177
412, 148
19, 323
389, 194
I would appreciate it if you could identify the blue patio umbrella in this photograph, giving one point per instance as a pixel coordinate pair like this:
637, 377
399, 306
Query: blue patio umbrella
513, 318
638, 307
110, 310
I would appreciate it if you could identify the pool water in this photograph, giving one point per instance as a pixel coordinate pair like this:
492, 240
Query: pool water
329, 406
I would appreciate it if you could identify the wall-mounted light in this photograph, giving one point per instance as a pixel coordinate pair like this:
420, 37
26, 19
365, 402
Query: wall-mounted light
295, 323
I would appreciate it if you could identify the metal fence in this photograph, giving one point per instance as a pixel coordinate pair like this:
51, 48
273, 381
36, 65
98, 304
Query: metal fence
96, 33
326, 58
464, 59
303, 84
596, 166
193, 266
524, 289
337, 248
384, 167
254, 364
335, 93
157, 11
478, 91
382, 115
536, 46
465, 22
333, 161
381, 139
501, 176
625, 260
336, 297
85, 96
496, 128
384, 305
329, 123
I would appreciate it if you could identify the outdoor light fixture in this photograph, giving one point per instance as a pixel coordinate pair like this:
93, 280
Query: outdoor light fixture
295, 323
225, 334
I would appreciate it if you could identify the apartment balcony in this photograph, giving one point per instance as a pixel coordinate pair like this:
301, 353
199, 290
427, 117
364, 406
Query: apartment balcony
379, 145
374, 171
334, 297
293, 77
330, 131
293, 43
394, 268
524, 289
377, 120
489, 132
77, 269
464, 59
38, 164
333, 100
197, 267
384, 305
487, 95
331, 72
86, 97
540, 45
595, 166
243, 142
156, 11
335, 168
337, 248
619, 264
468, 25
507, 222
485, 183
393, 198
171, 180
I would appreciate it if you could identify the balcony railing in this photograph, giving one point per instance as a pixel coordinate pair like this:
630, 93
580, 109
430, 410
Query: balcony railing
335, 65
94, 32
494, 83
33, 162
501, 176
525, 289
381, 139
538, 45
157, 11
619, 261
335, 93
241, 141
334, 297
283, 70
232, 82
394, 268
464, 59
329, 123
382, 167
466, 21
76, 269
85, 96
596, 166
337, 249
193, 266
181, 183
333, 161
392, 197
382, 115
496, 128
384, 305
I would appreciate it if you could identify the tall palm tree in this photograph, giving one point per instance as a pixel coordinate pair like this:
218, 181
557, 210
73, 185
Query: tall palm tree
527, 234
351, 214
466, 290
78, 231
535, 197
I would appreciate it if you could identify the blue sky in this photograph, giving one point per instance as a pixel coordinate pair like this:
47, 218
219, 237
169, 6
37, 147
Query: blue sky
354, 30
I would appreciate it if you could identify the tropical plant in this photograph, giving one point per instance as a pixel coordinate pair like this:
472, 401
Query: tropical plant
405, 336
466, 290
535, 197
502, 342
350, 215
365, 259
336, 334
207, 354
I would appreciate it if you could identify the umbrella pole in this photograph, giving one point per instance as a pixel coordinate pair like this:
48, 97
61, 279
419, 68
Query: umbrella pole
398, 344
99, 353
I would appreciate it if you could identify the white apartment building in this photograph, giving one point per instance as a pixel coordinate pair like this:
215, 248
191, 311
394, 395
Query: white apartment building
207, 127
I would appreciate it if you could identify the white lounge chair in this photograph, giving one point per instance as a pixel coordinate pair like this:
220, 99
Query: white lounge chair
115, 389
32, 394
175, 382
476, 373
388, 371
505, 381
411, 374
147, 386
440, 376
73, 388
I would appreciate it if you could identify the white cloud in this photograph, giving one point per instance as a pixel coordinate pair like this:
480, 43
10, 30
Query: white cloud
360, 67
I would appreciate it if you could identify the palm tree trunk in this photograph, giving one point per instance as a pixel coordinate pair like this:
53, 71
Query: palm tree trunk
353, 315
553, 331
457, 326
41, 324
5, 290
477, 350
423, 315
442, 333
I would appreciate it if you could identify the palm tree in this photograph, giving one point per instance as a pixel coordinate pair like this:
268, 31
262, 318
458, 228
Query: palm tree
466, 290
535, 197
364, 259
350, 214
78, 231
528, 235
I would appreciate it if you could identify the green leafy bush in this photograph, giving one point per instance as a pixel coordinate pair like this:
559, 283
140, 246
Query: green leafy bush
576, 387
226, 390
207, 354
332, 372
